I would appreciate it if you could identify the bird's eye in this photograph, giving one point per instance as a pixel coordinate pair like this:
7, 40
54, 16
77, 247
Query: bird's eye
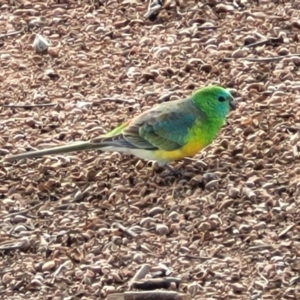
221, 99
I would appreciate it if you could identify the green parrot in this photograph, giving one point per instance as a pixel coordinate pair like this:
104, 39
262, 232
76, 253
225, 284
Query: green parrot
168, 131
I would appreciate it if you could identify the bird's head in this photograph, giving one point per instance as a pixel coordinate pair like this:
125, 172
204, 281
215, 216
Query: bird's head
214, 101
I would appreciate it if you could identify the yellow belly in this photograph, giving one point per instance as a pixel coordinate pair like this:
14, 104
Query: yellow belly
188, 150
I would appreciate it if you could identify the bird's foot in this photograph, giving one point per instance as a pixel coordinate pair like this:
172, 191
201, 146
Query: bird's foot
172, 172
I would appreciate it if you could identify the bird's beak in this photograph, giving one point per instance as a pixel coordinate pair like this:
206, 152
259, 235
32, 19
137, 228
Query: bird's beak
232, 103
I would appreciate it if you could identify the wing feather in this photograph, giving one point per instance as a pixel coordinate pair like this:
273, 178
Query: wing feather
165, 126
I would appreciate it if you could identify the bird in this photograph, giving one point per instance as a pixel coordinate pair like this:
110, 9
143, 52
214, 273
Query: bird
167, 132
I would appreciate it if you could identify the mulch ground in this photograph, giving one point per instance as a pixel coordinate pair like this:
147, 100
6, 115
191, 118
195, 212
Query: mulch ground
81, 225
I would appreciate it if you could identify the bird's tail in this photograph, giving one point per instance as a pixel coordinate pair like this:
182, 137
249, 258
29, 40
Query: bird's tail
77, 146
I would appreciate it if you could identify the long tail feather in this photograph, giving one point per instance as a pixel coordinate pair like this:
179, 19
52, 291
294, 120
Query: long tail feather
77, 146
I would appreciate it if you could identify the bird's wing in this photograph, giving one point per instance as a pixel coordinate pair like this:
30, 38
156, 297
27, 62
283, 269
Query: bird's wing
164, 127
